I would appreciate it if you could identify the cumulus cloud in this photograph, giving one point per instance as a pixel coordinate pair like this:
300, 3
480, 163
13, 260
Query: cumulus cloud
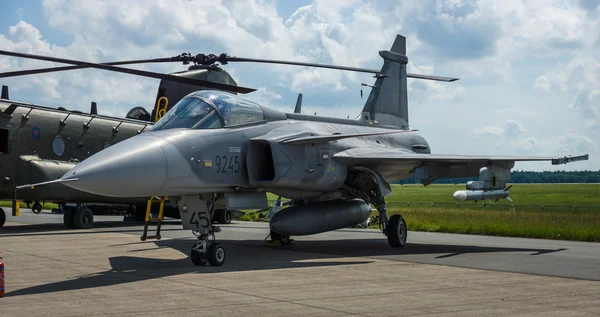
526, 145
575, 143
433, 90
496, 49
570, 143
580, 78
348, 33
486, 38
512, 128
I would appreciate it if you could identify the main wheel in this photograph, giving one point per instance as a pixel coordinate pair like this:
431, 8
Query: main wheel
83, 218
2, 217
396, 231
215, 254
223, 216
68, 215
199, 259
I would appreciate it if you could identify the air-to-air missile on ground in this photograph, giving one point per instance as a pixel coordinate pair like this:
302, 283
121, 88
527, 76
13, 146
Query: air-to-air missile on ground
214, 147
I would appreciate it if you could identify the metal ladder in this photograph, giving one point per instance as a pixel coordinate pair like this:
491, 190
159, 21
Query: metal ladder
158, 219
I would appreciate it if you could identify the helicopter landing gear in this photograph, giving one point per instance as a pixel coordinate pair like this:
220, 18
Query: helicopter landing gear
80, 217
196, 214
36, 208
83, 218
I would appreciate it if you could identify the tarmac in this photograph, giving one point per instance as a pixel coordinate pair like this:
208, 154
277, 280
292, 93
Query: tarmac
108, 271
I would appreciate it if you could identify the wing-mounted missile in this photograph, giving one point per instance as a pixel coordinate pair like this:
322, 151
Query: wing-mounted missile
490, 186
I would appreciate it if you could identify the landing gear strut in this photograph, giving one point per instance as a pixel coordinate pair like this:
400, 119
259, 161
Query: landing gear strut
196, 214
368, 185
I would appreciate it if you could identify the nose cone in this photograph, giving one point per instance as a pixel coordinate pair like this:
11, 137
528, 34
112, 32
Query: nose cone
136, 167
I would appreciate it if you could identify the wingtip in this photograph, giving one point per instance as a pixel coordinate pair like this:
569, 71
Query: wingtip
569, 159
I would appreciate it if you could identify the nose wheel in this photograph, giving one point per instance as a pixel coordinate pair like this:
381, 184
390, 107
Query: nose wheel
206, 250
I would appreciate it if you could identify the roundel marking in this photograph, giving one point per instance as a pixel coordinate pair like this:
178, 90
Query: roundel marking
35, 132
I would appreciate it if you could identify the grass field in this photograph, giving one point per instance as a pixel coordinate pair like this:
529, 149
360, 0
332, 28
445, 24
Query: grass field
552, 222
499, 218
540, 194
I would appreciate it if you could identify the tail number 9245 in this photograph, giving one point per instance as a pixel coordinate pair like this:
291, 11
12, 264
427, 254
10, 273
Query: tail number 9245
227, 164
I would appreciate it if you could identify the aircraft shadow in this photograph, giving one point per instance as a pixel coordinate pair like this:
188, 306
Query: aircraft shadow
59, 228
248, 255
380, 248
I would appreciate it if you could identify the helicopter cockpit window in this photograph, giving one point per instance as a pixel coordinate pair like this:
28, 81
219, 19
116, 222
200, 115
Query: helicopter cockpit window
191, 113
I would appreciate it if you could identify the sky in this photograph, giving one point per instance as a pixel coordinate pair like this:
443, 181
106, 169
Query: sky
529, 70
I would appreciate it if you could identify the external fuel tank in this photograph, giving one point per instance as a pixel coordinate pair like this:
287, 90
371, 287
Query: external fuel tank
320, 217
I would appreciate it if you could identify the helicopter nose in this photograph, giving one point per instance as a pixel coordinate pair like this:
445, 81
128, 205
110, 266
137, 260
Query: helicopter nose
136, 167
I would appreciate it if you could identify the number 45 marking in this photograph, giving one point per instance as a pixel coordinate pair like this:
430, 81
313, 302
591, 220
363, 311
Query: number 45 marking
198, 218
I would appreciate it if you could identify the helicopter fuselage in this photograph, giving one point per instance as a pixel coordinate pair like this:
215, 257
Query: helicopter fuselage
40, 143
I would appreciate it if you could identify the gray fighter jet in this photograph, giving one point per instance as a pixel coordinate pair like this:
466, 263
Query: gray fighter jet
216, 146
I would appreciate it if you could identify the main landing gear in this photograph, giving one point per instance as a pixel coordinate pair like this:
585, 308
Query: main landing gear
394, 227
197, 214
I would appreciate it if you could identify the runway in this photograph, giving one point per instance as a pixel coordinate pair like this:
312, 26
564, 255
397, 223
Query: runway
108, 270
571, 259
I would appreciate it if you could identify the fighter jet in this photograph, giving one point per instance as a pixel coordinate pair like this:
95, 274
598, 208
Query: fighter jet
216, 146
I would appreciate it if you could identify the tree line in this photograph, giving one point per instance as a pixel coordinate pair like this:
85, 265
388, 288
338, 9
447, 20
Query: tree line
527, 177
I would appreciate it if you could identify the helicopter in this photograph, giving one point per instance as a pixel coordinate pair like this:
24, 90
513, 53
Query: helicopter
40, 143
214, 146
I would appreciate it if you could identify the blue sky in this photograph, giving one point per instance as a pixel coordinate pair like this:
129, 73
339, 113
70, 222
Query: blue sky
529, 74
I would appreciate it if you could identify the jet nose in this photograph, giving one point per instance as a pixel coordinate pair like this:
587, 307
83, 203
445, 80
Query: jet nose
135, 167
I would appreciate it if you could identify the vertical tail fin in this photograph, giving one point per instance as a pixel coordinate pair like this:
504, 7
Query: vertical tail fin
4, 92
298, 108
388, 101
93, 108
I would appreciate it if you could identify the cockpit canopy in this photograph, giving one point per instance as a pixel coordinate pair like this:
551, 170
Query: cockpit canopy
210, 109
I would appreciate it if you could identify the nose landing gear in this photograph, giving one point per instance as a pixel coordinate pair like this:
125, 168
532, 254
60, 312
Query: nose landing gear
207, 250
196, 214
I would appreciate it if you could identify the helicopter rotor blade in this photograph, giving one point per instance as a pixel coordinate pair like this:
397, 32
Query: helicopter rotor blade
354, 69
63, 68
181, 79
